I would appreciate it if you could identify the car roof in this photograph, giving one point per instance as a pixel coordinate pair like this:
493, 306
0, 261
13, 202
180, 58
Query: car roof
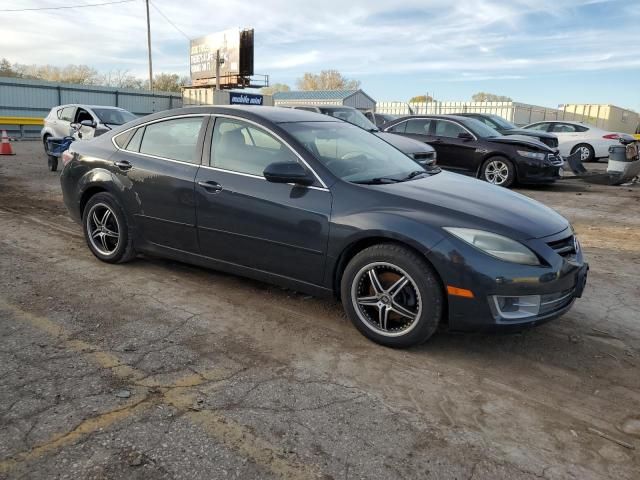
83, 105
444, 117
251, 112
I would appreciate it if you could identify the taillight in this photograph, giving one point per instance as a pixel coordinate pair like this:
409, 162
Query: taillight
611, 136
67, 156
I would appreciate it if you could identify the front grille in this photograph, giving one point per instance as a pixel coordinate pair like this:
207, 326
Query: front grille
565, 247
551, 142
556, 160
553, 302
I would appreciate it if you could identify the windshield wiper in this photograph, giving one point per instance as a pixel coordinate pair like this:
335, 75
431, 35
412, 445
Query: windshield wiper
378, 181
414, 174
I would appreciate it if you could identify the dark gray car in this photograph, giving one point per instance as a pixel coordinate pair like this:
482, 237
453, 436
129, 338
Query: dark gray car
321, 206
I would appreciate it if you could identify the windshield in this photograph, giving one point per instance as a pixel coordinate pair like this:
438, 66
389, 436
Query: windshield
113, 116
480, 129
352, 116
502, 123
353, 154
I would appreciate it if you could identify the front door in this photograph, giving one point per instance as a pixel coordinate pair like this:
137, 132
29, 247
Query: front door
456, 153
245, 220
158, 167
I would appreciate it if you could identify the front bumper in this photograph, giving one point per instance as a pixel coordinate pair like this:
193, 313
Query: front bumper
559, 284
538, 172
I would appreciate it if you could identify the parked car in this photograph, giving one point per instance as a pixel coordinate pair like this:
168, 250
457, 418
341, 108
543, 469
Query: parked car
321, 206
379, 118
505, 127
423, 153
466, 145
592, 142
58, 122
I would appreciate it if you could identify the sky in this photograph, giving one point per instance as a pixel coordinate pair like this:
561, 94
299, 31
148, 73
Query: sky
544, 52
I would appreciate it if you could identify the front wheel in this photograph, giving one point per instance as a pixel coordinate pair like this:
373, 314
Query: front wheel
392, 295
106, 229
498, 171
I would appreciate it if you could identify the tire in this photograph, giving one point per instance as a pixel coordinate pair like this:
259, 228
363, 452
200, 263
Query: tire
587, 154
44, 143
112, 241
380, 311
52, 163
498, 171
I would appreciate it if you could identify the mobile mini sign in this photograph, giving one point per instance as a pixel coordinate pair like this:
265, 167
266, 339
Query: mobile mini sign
236, 98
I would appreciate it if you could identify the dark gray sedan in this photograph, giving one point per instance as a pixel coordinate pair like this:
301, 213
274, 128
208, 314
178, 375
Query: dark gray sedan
318, 205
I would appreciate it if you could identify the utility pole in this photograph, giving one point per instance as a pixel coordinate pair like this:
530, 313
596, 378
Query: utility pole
149, 48
218, 70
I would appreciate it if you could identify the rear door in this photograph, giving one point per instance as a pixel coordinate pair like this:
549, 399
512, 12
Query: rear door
245, 220
63, 125
158, 165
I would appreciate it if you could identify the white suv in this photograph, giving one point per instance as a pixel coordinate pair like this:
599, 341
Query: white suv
58, 122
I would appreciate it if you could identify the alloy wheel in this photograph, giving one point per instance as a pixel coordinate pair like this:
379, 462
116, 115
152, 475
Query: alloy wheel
585, 153
103, 229
496, 172
386, 299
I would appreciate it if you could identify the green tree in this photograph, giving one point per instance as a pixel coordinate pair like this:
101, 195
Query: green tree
276, 87
489, 97
326, 80
421, 99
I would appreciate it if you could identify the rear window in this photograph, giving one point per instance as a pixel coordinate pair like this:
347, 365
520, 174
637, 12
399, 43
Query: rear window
122, 139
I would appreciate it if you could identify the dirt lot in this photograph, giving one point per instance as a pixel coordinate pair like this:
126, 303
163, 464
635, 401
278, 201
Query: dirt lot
156, 369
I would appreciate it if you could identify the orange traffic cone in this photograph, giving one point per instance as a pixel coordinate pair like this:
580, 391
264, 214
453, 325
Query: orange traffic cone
5, 146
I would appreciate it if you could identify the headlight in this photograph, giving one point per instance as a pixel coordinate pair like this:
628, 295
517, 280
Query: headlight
534, 155
496, 245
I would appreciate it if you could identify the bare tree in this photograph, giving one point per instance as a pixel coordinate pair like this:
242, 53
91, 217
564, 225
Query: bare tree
168, 82
489, 97
78, 74
326, 80
121, 79
7, 70
275, 88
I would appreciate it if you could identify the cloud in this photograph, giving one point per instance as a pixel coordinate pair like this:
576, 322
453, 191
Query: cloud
486, 39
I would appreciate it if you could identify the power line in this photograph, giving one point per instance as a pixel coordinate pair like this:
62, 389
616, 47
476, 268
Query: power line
64, 7
168, 20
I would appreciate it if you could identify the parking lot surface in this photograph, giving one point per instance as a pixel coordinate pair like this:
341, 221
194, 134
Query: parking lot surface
156, 369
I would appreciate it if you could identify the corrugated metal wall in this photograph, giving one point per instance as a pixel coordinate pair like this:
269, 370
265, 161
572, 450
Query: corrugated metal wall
34, 98
360, 101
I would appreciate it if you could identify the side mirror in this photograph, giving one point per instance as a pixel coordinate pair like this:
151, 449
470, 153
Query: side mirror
88, 123
287, 172
465, 136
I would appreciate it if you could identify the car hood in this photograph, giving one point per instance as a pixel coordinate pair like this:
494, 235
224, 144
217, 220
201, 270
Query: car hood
528, 133
525, 140
404, 144
454, 200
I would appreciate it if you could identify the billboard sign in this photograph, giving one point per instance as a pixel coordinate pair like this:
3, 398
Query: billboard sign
202, 54
237, 98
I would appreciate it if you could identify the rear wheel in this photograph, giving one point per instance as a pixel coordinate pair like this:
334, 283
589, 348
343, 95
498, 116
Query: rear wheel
498, 171
45, 144
392, 295
106, 229
587, 153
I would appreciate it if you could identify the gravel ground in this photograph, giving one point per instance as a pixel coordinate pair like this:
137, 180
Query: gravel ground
157, 369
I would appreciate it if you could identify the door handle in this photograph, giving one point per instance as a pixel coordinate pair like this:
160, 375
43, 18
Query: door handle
211, 187
123, 165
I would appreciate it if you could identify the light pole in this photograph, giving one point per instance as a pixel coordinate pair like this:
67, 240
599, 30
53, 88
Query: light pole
149, 47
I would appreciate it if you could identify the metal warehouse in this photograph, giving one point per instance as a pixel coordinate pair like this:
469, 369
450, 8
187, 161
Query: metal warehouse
350, 98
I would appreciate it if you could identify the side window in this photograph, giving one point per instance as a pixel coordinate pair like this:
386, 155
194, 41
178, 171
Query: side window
564, 128
82, 114
59, 113
174, 139
243, 148
136, 140
67, 114
419, 126
398, 128
448, 129
123, 138
540, 127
